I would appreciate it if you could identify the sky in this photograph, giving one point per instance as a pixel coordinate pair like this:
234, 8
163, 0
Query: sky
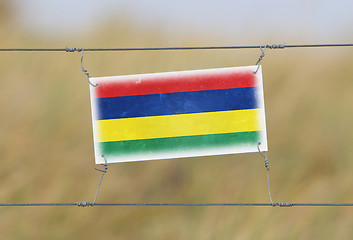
312, 20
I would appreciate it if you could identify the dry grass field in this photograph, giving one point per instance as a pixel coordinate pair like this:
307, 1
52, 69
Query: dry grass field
46, 145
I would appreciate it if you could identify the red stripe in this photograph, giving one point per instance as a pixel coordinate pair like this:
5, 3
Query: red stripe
173, 82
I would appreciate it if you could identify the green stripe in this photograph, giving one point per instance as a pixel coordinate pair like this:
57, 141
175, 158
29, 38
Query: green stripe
120, 148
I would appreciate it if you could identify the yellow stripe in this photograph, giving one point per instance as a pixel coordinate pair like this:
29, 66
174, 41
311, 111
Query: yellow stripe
177, 125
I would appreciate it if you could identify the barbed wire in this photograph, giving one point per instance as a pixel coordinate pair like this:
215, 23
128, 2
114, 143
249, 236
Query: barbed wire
270, 46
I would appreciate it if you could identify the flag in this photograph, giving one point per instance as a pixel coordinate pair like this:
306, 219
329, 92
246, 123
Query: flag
178, 114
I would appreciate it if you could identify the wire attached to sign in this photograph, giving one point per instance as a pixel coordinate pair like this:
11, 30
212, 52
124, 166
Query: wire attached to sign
260, 59
89, 204
103, 172
273, 46
85, 71
263, 154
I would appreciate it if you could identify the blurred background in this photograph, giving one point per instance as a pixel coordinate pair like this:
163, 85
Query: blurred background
46, 138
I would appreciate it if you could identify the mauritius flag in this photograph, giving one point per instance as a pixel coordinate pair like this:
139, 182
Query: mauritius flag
178, 114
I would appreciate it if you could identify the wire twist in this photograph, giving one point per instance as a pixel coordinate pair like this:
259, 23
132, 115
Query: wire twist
263, 154
83, 69
103, 172
263, 48
276, 46
88, 204
68, 49
84, 204
260, 59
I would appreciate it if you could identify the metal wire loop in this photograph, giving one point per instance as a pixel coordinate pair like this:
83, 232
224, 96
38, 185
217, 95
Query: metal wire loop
103, 172
260, 59
273, 46
263, 154
85, 71
105, 164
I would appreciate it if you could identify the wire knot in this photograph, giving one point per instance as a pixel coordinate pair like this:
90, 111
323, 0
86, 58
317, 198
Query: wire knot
68, 49
105, 164
103, 172
263, 154
263, 48
260, 58
84, 204
267, 164
276, 46
84, 70
283, 204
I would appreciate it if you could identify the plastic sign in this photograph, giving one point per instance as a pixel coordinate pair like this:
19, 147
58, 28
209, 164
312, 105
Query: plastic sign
178, 114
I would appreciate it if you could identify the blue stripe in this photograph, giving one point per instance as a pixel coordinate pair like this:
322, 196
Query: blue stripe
176, 103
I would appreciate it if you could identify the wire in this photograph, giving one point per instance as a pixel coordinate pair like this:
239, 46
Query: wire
104, 171
87, 204
35, 204
285, 204
273, 46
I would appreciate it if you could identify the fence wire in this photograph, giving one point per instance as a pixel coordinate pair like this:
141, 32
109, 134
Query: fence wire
88, 204
268, 46
93, 204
